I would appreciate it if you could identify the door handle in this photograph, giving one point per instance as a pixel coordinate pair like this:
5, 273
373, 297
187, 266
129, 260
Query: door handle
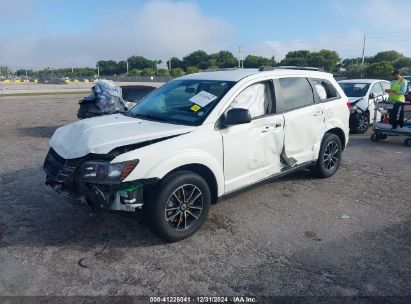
318, 113
270, 128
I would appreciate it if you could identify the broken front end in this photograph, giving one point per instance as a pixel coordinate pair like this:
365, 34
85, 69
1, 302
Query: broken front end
96, 183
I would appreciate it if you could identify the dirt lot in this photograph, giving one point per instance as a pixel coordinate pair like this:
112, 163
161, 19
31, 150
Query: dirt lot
347, 235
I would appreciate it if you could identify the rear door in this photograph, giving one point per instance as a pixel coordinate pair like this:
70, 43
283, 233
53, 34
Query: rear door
252, 151
304, 119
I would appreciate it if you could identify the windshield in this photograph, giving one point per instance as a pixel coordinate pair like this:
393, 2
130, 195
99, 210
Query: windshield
186, 102
355, 89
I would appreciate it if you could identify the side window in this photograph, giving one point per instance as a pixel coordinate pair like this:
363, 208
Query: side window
296, 92
324, 89
377, 89
256, 98
385, 85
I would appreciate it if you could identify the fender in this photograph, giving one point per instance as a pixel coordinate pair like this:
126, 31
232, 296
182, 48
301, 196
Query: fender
203, 146
333, 123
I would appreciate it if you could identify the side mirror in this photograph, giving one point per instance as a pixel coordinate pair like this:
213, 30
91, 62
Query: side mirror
237, 116
372, 96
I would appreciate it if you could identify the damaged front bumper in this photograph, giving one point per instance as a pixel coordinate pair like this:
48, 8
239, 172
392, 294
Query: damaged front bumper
62, 176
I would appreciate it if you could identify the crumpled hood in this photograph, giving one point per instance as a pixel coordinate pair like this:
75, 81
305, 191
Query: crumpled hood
354, 100
102, 134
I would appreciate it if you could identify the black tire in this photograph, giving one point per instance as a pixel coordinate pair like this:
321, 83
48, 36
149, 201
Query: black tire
175, 193
327, 166
407, 142
362, 124
374, 137
382, 136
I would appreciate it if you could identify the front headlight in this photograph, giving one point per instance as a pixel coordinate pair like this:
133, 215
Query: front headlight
103, 172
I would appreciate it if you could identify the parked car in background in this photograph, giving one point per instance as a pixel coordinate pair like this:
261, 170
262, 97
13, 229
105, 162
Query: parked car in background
133, 93
199, 138
52, 79
90, 106
362, 94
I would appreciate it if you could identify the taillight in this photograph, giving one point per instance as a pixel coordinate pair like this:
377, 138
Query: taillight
348, 104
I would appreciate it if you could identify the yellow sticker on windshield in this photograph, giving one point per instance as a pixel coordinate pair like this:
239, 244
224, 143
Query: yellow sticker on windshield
195, 108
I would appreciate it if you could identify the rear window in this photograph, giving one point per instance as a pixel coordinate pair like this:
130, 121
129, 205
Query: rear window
296, 93
324, 89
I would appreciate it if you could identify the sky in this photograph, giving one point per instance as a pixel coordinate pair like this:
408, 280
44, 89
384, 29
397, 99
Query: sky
77, 33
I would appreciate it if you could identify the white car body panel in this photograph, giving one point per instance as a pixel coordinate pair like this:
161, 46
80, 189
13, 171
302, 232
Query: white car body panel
304, 130
334, 117
102, 134
201, 146
249, 163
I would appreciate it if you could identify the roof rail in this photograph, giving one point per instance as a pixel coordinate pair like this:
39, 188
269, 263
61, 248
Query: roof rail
220, 69
291, 67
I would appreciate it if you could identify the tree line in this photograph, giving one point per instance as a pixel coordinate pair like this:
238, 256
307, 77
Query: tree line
378, 66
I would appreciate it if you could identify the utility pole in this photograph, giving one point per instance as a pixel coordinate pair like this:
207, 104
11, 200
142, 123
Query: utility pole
363, 50
127, 66
98, 71
239, 57
363, 56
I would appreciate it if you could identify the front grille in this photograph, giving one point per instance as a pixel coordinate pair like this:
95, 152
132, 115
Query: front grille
58, 168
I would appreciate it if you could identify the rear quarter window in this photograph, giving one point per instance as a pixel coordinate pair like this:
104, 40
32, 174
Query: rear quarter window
324, 89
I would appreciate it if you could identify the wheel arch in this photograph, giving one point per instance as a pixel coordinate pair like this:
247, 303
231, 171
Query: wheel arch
205, 173
340, 133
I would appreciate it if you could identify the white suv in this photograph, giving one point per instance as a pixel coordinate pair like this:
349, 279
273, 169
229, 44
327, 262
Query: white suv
199, 138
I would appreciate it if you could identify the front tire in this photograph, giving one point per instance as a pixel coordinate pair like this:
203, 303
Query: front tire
363, 122
329, 158
180, 206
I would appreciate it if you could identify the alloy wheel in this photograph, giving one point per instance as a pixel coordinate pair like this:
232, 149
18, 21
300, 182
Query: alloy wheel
331, 155
184, 207
362, 123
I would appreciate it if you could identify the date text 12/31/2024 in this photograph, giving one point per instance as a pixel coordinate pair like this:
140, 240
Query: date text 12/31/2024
204, 299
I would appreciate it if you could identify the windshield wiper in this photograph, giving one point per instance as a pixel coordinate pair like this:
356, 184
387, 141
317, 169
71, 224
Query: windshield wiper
153, 117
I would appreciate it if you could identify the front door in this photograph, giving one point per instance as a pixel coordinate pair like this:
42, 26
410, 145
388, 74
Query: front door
252, 151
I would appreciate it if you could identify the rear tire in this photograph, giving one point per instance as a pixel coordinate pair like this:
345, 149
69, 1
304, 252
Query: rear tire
329, 158
179, 206
407, 142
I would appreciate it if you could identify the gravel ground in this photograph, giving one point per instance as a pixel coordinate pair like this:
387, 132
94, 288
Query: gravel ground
348, 235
